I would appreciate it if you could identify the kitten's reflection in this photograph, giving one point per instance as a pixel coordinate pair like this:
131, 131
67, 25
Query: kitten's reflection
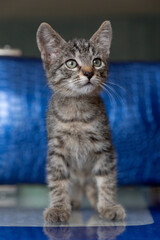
109, 233
57, 233
105, 231
70, 233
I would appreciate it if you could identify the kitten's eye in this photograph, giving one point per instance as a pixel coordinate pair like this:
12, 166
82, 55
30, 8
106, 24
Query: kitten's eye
97, 62
71, 63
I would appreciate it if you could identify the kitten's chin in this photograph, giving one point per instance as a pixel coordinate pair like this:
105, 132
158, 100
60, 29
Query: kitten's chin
87, 89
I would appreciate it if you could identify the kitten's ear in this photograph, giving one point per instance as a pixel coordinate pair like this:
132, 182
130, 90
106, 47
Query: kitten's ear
102, 38
49, 42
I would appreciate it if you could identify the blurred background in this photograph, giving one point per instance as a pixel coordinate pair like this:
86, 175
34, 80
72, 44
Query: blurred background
136, 24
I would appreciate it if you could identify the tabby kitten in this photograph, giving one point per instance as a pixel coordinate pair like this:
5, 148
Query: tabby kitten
80, 151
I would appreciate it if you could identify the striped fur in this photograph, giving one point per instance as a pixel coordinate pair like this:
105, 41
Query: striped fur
80, 150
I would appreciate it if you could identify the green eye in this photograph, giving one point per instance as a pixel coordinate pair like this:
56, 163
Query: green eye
71, 63
97, 62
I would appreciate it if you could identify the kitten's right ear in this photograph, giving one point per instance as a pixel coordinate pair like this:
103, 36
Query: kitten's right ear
49, 42
102, 38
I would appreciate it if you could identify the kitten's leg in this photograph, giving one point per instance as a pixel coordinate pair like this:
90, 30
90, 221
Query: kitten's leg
91, 192
76, 194
105, 174
58, 181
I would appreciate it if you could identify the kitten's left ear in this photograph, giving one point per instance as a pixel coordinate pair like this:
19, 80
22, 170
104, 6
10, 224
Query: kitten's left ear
49, 43
102, 38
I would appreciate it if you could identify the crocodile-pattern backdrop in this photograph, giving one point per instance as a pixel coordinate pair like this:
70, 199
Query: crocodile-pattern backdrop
133, 110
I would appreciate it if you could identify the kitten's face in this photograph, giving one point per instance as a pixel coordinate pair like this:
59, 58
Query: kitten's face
77, 67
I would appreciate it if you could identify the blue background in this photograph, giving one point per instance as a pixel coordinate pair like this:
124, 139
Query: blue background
134, 116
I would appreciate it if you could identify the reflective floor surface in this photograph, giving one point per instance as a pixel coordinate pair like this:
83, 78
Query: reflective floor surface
21, 217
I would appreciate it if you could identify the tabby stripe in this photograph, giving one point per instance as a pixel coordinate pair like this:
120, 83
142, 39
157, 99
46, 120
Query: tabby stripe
102, 172
53, 153
101, 152
60, 80
105, 172
73, 119
94, 139
76, 46
93, 136
53, 73
108, 200
64, 132
51, 141
53, 188
60, 139
57, 175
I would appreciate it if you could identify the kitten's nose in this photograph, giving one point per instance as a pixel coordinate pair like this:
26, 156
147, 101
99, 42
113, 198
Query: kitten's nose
88, 74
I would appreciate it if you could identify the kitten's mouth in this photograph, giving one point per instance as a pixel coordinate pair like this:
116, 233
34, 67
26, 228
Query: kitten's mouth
87, 84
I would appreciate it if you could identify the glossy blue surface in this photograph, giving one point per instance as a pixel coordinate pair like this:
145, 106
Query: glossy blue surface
146, 232
134, 118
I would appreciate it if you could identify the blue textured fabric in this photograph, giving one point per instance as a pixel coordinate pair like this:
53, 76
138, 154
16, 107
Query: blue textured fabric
133, 110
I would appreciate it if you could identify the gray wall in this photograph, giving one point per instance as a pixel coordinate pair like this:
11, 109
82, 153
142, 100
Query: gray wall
136, 24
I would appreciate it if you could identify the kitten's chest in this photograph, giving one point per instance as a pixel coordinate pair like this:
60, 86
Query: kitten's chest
80, 143
80, 126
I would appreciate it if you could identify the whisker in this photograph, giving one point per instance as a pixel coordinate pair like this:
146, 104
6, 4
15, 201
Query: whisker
117, 85
77, 81
112, 100
114, 91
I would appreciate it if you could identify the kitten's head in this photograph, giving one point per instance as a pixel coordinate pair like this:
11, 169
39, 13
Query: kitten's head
78, 67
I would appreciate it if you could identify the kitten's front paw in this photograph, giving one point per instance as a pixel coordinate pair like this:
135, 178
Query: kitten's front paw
115, 212
53, 215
